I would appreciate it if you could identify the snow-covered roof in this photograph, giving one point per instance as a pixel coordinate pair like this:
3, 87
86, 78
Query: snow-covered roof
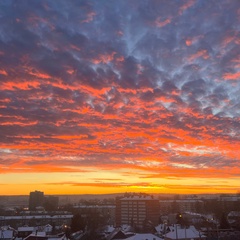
36, 217
48, 225
234, 214
109, 228
229, 198
126, 228
137, 197
42, 235
26, 229
96, 206
233, 217
161, 227
116, 232
57, 238
182, 233
181, 201
144, 236
36, 235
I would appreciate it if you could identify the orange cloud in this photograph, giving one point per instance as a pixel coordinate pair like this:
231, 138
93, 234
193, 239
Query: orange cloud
200, 54
231, 76
37, 22
39, 75
3, 72
104, 58
159, 23
90, 17
193, 40
186, 6
188, 42
10, 123
23, 85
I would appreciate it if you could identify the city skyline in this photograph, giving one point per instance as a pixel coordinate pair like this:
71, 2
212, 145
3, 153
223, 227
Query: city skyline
119, 96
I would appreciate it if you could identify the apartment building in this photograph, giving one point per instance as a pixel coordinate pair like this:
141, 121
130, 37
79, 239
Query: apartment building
137, 210
36, 199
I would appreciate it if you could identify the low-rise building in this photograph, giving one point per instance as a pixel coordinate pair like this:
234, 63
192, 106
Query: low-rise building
23, 232
32, 220
234, 219
7, 234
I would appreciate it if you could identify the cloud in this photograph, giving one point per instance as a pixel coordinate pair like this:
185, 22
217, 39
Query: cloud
231, 76
120, 85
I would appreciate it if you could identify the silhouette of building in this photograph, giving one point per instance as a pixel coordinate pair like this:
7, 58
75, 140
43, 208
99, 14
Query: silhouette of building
36, 199
137, 210
51, 203
181, 205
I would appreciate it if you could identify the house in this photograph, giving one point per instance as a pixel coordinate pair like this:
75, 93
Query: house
234, 219
108, 229
23, 232
161, 229
48, 228
7, 234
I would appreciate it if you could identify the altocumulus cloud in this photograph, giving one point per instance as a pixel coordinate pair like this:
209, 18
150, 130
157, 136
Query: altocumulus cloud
117, 84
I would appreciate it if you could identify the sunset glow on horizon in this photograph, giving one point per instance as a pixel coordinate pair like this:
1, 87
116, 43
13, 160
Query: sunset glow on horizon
119, 96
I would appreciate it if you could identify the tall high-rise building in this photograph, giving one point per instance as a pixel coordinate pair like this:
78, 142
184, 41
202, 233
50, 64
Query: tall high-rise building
36, 199
137, 210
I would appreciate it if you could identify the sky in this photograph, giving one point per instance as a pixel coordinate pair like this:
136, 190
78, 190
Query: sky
110, 96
